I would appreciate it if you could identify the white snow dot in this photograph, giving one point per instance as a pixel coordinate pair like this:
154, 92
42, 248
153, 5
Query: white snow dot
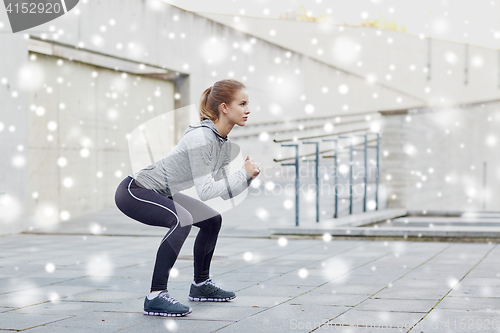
68, 182
477, 61
309, 108
452, 282
343, 89
371, 205
64, 215
95, 228
303, 273
50, 267
62, 162
84, 152
112, 114
52, 125
282, 241
174, 272
264, 136
288, 204
255, 183
327, 237
247, 256
261, 212
19, 161
171, 325
491, 140
40, 111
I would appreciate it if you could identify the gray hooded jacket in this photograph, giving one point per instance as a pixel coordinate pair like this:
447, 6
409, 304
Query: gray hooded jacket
200, 158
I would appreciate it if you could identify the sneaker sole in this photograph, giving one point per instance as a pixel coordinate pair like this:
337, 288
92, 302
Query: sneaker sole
204, 299
166, 314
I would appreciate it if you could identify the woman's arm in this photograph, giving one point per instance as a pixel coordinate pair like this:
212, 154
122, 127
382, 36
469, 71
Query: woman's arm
232, 192
200, 159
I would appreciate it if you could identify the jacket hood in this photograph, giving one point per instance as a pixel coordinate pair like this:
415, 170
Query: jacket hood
210, 124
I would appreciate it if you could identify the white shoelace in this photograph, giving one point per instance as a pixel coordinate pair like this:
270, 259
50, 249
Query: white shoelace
209, 281
168, 298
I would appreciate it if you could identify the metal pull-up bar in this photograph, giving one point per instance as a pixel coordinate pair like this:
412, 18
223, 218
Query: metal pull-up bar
335, 159
296, 164
316, 174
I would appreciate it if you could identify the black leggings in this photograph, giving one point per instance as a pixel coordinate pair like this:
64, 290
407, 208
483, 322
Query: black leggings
178, 214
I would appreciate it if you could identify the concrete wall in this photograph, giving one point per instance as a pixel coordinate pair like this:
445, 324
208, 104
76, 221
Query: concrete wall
393, 59
75, 167
433, 158
13, 130
403, 64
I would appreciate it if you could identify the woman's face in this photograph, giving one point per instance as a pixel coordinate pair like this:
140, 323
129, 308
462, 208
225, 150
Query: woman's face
237, 111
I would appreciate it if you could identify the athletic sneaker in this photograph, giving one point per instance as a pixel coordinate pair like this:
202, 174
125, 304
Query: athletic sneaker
164, 305
208, 291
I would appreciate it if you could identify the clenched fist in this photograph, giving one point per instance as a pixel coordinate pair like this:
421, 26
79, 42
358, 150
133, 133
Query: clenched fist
251, 167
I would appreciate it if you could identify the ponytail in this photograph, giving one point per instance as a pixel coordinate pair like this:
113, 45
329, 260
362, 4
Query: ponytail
205, 111
222, 91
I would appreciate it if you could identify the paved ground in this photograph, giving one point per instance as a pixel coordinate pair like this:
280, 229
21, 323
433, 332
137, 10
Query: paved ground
66, 281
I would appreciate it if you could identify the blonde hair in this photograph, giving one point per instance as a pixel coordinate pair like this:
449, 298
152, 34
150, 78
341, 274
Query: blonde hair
222, 91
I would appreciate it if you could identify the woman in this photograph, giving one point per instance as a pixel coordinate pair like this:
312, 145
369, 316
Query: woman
201, 158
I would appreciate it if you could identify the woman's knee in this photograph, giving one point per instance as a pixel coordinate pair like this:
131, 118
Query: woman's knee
217, 222
185, 218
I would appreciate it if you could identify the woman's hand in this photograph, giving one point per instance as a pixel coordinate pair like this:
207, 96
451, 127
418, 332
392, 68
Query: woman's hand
251, 167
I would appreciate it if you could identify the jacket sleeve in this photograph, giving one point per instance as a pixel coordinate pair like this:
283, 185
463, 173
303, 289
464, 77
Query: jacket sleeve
233, 191
200, 158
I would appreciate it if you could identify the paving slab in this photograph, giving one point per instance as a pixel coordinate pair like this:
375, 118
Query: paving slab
286, 318
402, 305
469, 303
377, 319
456, 321
162, 325
22, 321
